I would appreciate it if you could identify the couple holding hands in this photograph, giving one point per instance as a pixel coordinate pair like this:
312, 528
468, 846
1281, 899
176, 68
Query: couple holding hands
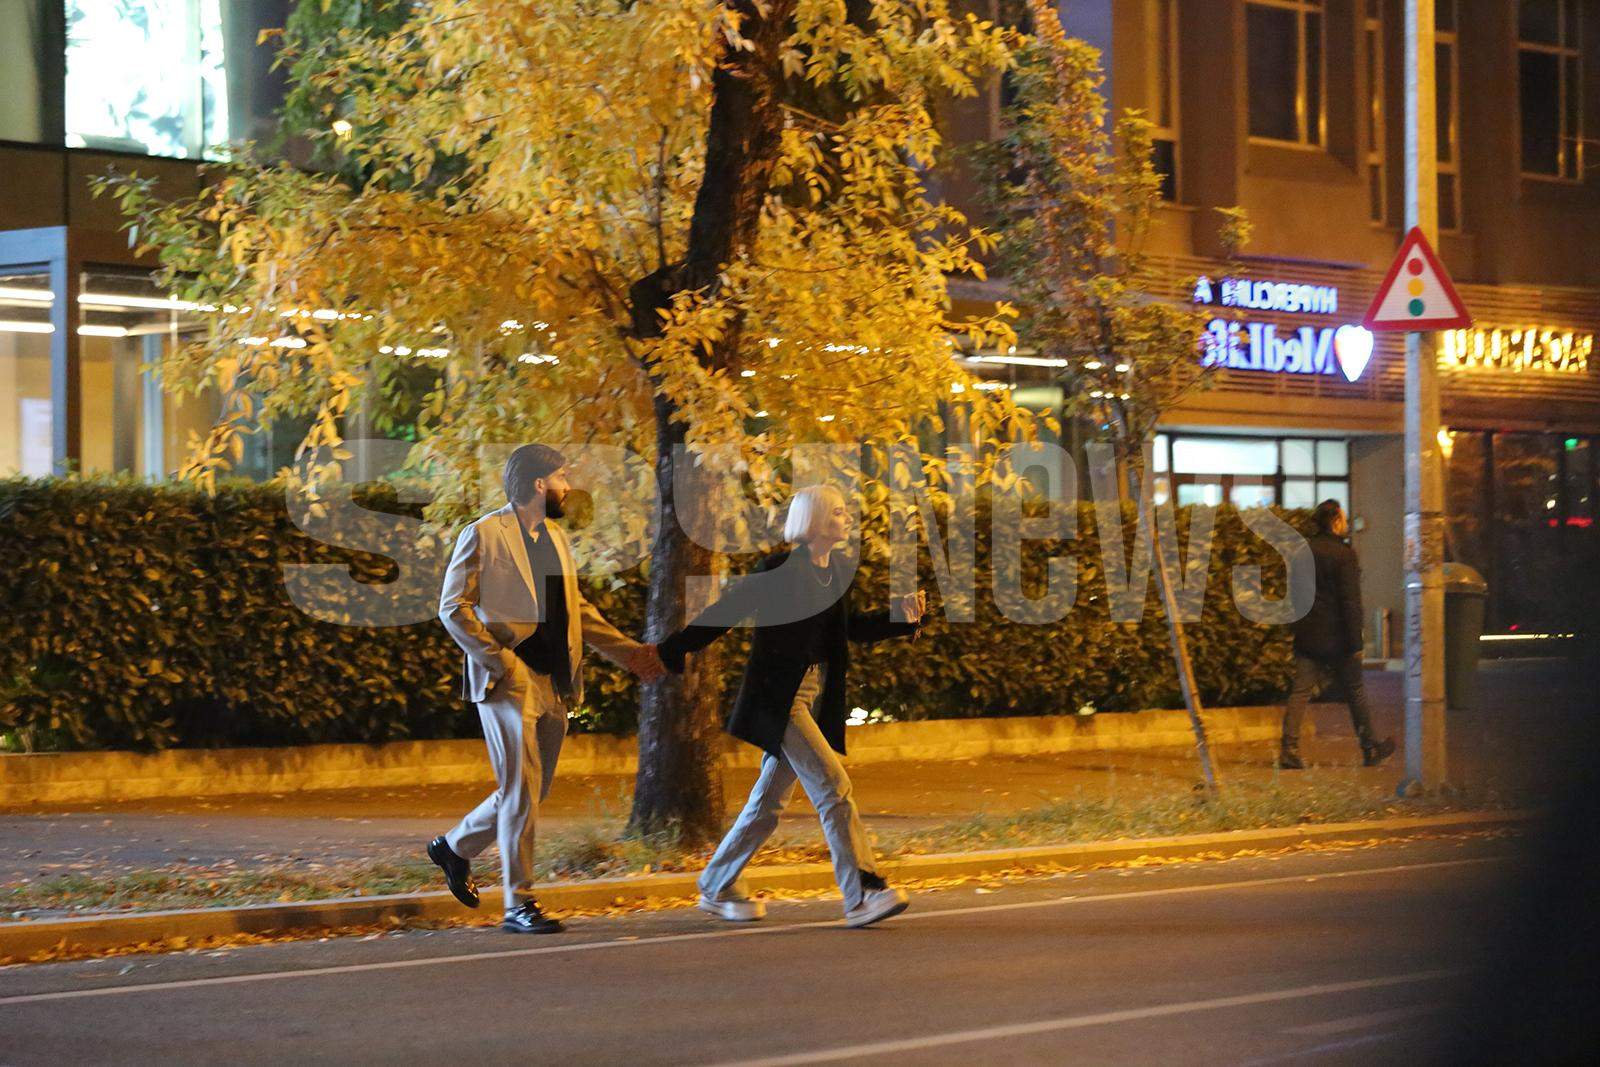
511, 601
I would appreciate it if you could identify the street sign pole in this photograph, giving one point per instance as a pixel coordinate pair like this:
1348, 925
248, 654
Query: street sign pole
1424, 521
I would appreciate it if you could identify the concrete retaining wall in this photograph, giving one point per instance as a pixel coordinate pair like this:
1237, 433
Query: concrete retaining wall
90, 777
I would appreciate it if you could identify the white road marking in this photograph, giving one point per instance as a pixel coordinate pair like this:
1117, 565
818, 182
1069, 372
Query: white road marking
709, 935
1363, 1022
1078, 1022
1300, 1055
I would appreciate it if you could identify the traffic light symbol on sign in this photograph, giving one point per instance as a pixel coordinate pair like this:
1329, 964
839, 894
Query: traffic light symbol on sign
1417, 294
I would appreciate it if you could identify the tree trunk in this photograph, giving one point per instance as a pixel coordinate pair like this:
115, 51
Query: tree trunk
678, 782
1180, 644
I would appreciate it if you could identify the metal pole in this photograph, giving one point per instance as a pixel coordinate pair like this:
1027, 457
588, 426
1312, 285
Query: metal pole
1424, 526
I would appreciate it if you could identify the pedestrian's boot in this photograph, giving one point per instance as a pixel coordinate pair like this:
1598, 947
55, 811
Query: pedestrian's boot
1375, 752
1289, 759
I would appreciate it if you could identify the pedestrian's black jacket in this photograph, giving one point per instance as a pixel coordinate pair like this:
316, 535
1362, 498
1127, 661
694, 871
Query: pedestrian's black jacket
1331, 631
781, 651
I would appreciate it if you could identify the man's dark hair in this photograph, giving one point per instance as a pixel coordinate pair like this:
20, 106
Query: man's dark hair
527, 464
1325, 514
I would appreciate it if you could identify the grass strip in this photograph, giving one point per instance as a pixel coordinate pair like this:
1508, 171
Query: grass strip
602, 850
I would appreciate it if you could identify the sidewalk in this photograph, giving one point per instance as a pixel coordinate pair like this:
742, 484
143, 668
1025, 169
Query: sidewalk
1508, 744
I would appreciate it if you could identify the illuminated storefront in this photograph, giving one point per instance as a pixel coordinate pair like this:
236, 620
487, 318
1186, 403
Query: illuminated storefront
1308, 406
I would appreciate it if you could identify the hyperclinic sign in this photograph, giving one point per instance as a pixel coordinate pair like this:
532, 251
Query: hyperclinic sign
1264, 346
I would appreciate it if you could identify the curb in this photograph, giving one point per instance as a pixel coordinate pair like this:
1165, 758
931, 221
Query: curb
21, 940
48, 778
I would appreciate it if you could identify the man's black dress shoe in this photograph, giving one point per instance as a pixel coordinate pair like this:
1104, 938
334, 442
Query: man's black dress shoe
1376, 753
1290, 761
526, 918
457, 871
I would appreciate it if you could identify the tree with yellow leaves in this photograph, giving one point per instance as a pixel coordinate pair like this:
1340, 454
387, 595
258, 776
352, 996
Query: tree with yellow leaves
696, 229
1076, 203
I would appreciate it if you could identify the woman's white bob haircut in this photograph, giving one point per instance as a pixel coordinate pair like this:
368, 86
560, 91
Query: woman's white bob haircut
806, 511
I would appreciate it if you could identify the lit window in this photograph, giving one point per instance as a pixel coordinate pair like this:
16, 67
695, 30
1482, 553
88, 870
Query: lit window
1285, 70
169, 77
1550, 78
1225, 455
145, 77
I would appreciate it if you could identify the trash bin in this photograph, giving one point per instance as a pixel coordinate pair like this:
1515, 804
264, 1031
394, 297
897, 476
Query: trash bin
1465, 592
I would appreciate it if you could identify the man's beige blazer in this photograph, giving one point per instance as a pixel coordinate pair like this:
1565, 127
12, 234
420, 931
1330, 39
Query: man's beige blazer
490, 605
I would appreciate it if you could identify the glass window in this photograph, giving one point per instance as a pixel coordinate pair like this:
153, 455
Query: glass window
1547, 580
1377, 183
1339, 491
1295, 472
1162, 93
1208, 494
1333, 458
1285, 70
28, 64
1540, 74
1467, 499
1579, 476
1539, 20
1311, 51
1225, 455
26, 411
1299, 457
1551, 86
1299, 493
1274, 77
1447, 99
169, 77
1252, 496
1159, 460
130, 424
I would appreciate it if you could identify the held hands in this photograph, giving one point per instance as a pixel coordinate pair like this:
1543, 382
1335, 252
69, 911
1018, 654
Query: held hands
645, 662
912, 608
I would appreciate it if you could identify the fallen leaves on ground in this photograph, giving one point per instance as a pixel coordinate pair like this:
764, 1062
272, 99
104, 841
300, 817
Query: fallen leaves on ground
985, 881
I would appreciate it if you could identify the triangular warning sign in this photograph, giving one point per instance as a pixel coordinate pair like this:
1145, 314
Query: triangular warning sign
1417, 294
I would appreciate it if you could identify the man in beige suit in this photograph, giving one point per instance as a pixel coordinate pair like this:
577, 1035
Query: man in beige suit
511, 601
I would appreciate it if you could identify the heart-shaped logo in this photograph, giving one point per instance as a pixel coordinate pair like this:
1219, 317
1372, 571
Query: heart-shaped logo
1353, 346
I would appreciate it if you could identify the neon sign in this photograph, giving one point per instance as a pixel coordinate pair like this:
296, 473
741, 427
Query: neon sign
1308, 350
1289, 297
1527, 349
1260, 346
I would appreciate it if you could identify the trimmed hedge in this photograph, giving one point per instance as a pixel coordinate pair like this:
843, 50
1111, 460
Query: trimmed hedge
147, 616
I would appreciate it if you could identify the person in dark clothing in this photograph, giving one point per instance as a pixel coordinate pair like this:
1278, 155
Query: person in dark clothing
791, 704
1327, 641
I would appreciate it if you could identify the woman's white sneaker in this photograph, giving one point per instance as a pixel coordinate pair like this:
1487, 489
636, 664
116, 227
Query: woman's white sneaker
877, 905
734, 911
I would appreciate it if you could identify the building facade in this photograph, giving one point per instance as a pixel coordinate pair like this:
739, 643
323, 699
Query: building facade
1289, 108
1294, 109
86, 89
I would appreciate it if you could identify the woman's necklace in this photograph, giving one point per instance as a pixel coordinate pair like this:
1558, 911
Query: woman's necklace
821, 569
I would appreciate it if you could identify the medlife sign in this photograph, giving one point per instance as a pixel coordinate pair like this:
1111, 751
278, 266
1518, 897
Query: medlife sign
1265, 346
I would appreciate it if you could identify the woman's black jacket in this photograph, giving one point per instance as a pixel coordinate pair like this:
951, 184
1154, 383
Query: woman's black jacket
781, 648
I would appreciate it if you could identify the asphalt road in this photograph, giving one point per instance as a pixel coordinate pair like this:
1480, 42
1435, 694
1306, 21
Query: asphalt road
1356, 956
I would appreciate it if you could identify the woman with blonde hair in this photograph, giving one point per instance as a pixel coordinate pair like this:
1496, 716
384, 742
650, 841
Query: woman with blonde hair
792, 705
